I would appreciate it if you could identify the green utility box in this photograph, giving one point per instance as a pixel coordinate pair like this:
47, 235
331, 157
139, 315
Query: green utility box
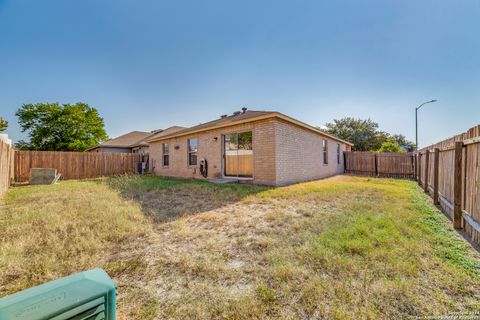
85, 295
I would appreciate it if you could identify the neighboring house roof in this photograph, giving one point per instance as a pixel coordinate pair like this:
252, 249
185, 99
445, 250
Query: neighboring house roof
238, 118
128, 140
168, 131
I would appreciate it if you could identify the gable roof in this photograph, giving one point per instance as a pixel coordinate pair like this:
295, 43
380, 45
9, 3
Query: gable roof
128, 140
244, 117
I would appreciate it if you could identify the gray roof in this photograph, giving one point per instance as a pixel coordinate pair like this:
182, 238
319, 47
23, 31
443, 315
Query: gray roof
128, 140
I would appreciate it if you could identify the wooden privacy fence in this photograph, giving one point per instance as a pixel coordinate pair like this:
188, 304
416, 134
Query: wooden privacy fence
392, 165
450, 172
6, 165
76, 165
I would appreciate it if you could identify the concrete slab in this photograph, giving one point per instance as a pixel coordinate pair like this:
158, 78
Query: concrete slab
223, 180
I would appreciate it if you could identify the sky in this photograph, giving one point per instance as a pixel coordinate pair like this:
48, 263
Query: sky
150, 64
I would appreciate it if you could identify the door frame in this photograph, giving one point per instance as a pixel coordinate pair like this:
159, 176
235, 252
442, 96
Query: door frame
222, 151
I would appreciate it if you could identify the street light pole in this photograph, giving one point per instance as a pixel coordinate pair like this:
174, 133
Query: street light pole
416, 121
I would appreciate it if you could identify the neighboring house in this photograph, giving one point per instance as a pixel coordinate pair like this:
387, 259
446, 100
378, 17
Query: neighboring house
256, 146
132, 142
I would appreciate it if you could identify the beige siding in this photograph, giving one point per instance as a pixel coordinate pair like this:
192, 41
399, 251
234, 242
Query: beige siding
299, 154
140, 150
112, 150
211, 150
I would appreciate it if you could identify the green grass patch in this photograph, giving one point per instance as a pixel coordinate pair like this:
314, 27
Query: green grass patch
338, 248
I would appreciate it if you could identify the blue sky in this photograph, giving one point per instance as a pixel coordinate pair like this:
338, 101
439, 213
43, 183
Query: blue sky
151, 64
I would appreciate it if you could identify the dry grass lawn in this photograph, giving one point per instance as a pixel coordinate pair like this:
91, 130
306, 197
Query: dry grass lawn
339, 248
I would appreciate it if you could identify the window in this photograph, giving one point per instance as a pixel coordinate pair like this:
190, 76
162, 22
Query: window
166, 154
338, 153
192, 146
325, 151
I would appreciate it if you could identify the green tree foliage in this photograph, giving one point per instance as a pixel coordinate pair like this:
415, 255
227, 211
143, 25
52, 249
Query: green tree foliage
56, 127
391, 145
364, 134
3, 125
402, 141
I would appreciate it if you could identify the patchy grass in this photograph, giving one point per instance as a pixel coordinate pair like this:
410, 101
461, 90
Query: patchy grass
51, 231
167, 199
339, 248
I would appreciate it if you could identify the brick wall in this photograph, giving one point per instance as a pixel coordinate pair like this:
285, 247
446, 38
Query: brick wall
299, 154
282, 153
211, 149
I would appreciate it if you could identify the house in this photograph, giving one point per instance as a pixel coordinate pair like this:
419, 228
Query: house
259, 147
169, 131
132, 142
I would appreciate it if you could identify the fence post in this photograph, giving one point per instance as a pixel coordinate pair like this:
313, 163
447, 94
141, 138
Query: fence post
436, 158
376, 164
457, 186
414, 163
419, 169
427, 159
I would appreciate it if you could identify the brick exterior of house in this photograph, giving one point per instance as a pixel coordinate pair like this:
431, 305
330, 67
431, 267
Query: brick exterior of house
211, 149
283, 153
299, 154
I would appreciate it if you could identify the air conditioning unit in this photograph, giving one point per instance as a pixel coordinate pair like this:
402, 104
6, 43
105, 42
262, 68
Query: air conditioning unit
85, 295
141, 167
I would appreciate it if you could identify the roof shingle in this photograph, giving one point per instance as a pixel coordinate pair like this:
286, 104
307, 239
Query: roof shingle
236, 118
127, 140
249, 114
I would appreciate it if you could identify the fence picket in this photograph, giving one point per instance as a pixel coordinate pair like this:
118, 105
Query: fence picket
400, 165
75, 165
459, 179
6, 155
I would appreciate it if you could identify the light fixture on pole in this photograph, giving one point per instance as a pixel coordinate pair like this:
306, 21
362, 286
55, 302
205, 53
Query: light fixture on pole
416, 121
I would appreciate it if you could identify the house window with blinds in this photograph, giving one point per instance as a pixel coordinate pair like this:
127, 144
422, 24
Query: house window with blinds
325, 151
192, 146
166, 155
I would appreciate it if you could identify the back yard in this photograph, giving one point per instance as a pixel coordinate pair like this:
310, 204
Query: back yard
344, 247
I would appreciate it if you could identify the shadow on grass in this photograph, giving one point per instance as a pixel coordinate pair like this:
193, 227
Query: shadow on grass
166, 199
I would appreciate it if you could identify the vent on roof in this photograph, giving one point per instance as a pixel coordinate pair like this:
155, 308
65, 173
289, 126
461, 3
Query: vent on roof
244, 110
236, 113
223, 116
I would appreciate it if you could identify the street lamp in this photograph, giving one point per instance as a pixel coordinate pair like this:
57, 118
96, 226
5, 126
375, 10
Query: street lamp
416, 121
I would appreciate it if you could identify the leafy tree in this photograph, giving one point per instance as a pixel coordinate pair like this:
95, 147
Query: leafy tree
402, 141
391, 145
3, 125
364, 134
56, 127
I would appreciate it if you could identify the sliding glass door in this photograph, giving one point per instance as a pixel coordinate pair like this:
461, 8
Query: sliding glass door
238, 155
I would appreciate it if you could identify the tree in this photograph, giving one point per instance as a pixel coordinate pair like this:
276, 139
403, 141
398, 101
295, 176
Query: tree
56, 127
391, 145
3, 125
402, 141
364, 134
